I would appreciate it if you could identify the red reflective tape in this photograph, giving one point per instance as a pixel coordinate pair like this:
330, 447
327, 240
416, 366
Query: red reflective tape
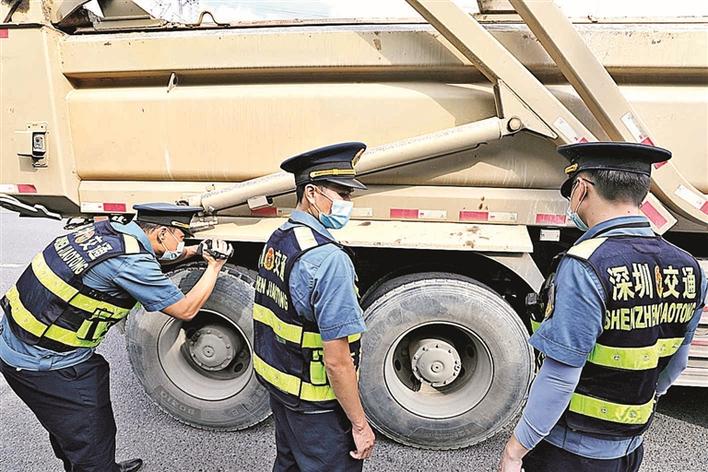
704, 208
26, 188
549, 219
474, 216
4, 33
265, 211
117, 207
403, 213
653, 214
647, 141
661, 164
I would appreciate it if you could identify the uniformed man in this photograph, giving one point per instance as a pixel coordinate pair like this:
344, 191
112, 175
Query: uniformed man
618, 317
64, 303
308, 323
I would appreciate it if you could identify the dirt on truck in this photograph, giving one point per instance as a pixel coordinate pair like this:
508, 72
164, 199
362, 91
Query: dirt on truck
461, 114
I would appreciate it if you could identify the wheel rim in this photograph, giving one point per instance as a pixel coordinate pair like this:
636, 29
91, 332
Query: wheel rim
438, 370
208, 358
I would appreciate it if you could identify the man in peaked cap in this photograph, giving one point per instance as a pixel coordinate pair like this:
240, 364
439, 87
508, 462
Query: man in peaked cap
63, 304
614, 323
308, 322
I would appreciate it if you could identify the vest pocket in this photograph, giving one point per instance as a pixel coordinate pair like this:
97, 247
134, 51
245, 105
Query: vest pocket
318, 374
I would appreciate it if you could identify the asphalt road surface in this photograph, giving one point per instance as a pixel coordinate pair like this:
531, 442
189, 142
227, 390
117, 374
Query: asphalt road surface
677, 441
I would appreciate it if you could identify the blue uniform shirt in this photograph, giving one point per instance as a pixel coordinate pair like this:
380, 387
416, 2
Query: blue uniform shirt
137, 274
322, 286
569, 336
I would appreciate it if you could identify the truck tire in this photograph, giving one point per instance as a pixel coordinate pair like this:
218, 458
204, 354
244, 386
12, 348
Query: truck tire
200, 372
445, 361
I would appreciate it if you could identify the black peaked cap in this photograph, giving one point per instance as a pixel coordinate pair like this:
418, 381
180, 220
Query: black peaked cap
167, 214
621, 156
334, 164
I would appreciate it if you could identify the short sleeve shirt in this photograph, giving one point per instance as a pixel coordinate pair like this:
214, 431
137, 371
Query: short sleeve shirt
136, 274
323, 285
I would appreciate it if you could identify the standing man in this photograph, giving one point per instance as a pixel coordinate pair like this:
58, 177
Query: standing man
308, 322
64, 303
619, 314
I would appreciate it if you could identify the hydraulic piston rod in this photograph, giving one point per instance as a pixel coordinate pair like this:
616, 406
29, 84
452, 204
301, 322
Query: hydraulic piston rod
407, 151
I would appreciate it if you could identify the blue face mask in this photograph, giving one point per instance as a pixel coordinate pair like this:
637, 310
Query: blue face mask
573, 215
338, 216
577, 221
172, 255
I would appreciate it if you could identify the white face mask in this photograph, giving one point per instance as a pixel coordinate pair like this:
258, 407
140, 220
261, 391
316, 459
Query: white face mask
172, 255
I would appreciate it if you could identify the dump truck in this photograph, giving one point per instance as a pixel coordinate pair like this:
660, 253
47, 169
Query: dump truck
461, 114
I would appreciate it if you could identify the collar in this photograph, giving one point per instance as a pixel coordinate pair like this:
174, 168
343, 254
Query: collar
133, 229
299, 216
607, 227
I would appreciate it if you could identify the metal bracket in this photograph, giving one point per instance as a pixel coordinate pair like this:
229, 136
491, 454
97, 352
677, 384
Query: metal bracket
520, 116
32, 143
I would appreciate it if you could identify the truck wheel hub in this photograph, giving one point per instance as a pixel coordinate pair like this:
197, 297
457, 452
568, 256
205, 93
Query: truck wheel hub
435, 362
213, 347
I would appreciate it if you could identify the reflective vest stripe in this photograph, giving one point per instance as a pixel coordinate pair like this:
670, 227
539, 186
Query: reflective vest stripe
29, 323
286, 331
609, 411
586, 248
71, 295
314, 340
131, 244
291, 384
305, 238
291, 332
634, 358
535, 325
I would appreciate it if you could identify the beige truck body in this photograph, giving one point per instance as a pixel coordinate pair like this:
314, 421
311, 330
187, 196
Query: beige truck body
96, 117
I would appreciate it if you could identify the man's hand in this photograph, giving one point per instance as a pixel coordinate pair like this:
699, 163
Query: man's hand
364, 440
215, 249
512, 455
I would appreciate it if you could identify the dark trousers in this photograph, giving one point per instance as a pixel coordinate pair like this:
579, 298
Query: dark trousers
548, 458
315, 442
74, 406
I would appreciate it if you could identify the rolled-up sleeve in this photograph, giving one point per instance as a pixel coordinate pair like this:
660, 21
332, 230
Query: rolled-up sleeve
570, 333
334, 298
142, 278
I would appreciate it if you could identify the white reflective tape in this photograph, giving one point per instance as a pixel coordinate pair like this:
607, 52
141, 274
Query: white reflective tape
635, 128
362, 212
694, 199
8, 188
503, 216
91, 207
553, 235
432, 214
567, 131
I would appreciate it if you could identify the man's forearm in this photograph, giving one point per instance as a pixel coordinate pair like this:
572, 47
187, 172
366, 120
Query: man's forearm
194, 300
345, 384
201, 291
548, 399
